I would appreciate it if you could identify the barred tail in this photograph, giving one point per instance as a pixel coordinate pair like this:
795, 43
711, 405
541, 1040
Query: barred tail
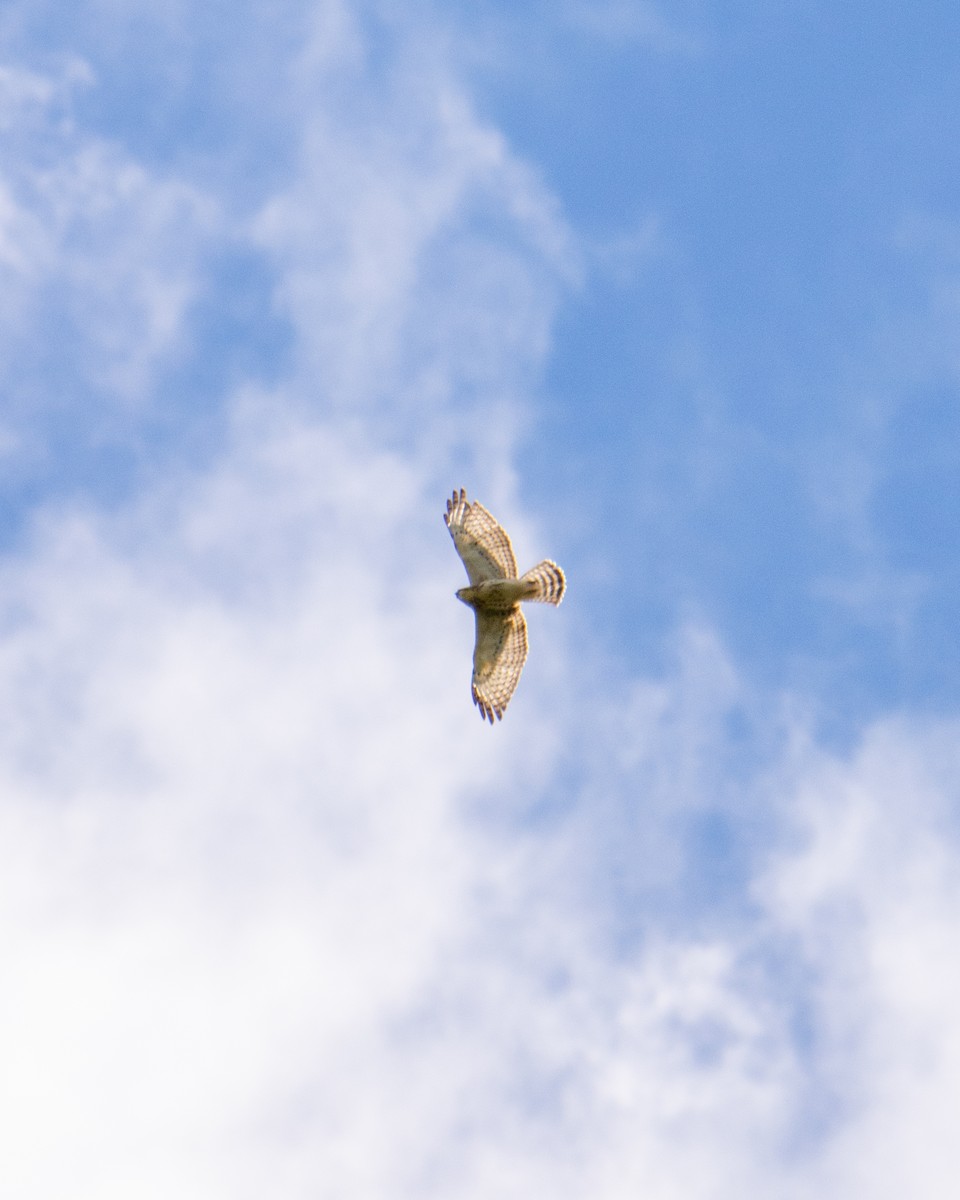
545, 582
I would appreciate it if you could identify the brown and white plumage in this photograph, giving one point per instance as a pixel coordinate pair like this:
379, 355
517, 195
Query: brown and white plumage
495, 593
480, 540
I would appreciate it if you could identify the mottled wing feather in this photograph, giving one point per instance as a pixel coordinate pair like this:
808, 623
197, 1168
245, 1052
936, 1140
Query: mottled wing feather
481, 542
498, 659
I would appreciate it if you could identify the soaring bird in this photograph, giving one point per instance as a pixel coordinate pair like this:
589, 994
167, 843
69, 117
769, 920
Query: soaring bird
494, 594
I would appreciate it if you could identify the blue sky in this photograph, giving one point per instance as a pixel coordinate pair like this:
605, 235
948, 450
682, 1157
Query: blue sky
673, 290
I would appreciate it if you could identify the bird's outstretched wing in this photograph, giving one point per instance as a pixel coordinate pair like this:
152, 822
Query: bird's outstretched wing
481, 542
498, 658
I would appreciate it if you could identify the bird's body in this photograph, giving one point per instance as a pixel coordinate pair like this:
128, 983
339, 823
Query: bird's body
495, 593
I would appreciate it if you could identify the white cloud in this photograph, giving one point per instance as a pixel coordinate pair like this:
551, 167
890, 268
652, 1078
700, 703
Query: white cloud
253, 937
229, 834
872, 896
99, 257
256, 933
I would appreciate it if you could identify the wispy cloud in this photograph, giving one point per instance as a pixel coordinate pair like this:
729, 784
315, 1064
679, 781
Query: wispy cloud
100, 257
409, 236
619, 21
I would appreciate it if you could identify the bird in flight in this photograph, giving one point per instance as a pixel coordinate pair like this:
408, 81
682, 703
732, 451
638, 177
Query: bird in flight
494, 594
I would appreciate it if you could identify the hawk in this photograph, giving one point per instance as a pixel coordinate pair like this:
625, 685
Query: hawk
494, 595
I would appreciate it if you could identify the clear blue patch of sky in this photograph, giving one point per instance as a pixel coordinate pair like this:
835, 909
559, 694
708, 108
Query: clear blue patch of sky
682, 411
